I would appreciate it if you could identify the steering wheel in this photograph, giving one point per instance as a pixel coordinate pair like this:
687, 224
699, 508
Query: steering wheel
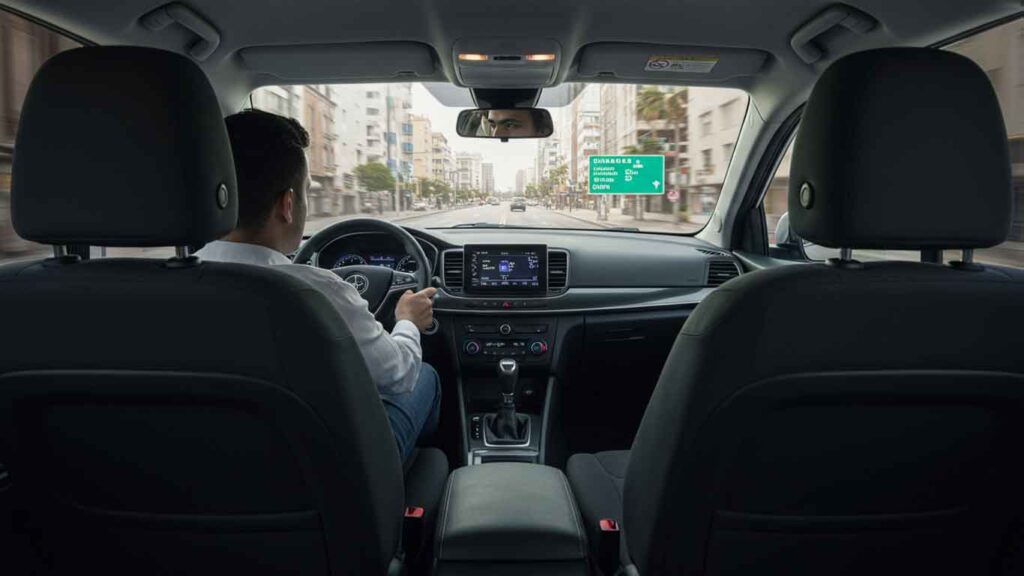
379, 286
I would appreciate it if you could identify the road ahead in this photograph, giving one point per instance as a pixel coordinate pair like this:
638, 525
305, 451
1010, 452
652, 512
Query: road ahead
534, 216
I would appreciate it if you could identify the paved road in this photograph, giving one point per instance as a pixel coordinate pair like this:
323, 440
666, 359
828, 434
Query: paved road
534, 216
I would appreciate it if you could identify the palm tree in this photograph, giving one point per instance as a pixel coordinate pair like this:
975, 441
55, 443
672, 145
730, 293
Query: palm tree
653, 104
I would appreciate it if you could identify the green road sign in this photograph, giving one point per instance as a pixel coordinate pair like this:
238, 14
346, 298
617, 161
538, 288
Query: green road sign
631, 174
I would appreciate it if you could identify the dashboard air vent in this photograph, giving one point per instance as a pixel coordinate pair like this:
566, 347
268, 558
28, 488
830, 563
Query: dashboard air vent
710, 252
451, 260
558, 270
719, 271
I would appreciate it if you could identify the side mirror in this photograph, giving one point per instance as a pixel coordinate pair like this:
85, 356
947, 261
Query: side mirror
505, 123
792, 247
784, 235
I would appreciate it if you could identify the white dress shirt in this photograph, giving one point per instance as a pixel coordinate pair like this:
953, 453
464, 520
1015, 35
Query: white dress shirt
393, 359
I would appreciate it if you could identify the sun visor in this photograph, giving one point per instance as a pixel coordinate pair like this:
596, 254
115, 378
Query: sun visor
665, 63
359, 62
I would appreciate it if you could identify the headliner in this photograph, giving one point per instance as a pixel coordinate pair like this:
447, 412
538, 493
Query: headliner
764, 25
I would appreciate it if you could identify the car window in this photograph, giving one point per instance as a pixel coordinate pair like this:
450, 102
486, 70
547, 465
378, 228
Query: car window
392, 151
25, 46
999, 51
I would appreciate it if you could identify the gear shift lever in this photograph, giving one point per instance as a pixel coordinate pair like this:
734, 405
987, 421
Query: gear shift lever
508, 379
507, 427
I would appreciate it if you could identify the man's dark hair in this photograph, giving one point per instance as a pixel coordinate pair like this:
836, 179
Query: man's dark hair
268, 152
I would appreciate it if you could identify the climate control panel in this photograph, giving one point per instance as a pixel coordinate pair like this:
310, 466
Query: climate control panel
527, 341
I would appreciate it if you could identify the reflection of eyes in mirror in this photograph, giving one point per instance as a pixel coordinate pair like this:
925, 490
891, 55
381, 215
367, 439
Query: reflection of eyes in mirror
505, 123
509, 124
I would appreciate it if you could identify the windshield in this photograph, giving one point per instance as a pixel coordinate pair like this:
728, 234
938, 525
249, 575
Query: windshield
658, 156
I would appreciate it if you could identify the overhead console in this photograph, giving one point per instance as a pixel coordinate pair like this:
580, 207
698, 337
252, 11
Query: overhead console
490, 62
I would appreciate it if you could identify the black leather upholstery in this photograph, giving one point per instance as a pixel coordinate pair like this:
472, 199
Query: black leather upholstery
902, 148
122, 146
509, 512
205, 419
818, 419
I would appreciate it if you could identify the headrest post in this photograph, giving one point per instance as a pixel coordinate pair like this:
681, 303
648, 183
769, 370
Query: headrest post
845, 260
966, 261
183, 258
931, 255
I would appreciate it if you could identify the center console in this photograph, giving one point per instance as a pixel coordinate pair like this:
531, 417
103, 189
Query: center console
510, 519
505, 360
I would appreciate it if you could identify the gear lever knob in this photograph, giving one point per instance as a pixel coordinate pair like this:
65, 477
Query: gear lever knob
508, 376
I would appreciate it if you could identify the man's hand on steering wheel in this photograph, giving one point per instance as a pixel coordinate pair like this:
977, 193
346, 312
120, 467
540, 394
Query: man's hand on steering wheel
417, 307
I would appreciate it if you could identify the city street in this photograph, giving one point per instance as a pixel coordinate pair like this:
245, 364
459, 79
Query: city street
534, 216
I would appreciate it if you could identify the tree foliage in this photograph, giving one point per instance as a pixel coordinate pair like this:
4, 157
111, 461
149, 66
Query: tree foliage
431, 188
375, 177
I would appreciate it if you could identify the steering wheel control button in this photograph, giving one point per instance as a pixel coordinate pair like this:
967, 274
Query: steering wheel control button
403, 280
472, 347
538, 347
505, 329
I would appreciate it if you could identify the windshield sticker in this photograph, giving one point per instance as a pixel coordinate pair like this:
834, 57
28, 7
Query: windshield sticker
690, 64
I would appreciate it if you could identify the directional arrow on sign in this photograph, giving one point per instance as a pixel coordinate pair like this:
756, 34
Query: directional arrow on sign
656, 184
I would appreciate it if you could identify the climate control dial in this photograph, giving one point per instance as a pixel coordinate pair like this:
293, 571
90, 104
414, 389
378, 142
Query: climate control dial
472, 347
538, 347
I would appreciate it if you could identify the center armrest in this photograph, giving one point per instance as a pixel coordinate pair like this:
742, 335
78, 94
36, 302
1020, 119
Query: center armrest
509, 512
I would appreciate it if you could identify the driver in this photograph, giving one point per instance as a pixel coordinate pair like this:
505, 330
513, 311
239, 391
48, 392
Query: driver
510, 123
273, 179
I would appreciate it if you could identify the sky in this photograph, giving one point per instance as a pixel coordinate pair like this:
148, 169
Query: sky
507, 157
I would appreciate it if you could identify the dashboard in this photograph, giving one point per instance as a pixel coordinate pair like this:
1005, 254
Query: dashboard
372, 249
547, 271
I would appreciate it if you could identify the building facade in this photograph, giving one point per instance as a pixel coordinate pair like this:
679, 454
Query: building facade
468, 171
422, 148
487, 179
442, 159
715, 117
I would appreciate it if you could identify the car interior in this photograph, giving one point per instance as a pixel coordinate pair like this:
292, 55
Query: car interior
822, 375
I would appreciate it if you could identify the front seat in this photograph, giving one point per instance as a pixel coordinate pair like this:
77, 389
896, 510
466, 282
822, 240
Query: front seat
848, 418
174, 416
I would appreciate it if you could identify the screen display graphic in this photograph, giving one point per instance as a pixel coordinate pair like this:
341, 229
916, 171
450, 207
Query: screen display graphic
513, 269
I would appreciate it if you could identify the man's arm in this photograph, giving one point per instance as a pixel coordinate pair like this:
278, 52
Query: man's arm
393, 359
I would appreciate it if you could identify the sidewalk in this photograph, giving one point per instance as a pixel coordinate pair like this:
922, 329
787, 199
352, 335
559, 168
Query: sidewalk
652, 222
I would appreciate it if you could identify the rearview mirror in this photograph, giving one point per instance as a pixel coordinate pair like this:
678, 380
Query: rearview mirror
505, 123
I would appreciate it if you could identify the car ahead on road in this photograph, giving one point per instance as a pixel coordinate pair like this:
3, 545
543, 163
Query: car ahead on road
420, 206
804, 359
518, 204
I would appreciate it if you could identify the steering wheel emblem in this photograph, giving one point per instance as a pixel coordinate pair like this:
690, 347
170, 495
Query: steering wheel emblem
359, 281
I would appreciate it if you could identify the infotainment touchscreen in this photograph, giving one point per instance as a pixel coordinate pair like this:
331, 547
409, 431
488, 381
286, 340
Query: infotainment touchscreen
505, 268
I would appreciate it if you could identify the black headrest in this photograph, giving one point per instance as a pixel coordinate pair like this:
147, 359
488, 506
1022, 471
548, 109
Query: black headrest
901, 148
122, 146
